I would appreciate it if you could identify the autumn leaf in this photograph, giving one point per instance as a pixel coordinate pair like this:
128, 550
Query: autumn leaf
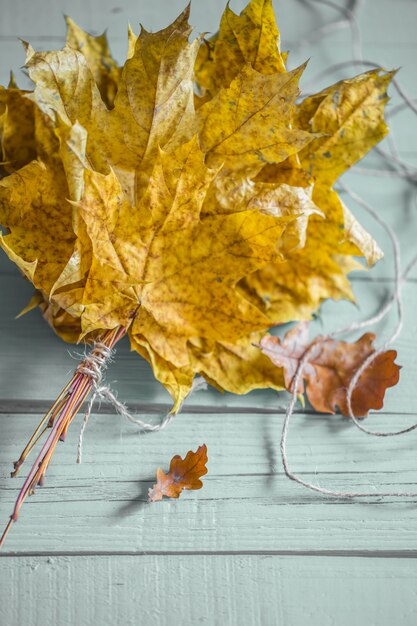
183, 474
350, 114
288, 171
293, 288
195, 230
17, 128
177, 380
96, 50
145, 255
330, 367
319, 270
30, 201
237, 367
153, 105
251, 37
248, 124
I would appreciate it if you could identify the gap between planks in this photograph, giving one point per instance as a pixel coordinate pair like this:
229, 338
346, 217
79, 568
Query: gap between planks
367, 554
35, 407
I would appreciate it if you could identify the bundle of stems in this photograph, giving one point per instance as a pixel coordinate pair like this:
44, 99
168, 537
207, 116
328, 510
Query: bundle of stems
59, 417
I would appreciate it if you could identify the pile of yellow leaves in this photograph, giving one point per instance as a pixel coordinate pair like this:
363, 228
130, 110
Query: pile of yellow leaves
186, 196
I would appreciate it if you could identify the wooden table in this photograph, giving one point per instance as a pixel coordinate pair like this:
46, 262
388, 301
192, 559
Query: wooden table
251, 547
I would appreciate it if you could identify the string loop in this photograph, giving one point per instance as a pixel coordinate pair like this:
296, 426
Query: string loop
410, 174
93, 365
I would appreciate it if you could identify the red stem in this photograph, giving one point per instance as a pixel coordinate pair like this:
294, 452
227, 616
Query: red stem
60, 416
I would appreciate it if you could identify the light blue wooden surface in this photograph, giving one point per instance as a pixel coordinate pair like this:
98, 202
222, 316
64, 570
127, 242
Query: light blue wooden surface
251, 547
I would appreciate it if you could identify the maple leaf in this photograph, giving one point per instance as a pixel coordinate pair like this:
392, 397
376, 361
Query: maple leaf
183, 474
350, 114
30, 202
17, 128
177, 380
251, 37
196, 230
292, 288
248, 123
330, 367
145, 257
237, 367
153, 106
96, 50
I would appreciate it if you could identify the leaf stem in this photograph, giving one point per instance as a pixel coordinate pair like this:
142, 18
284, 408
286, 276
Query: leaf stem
58, 419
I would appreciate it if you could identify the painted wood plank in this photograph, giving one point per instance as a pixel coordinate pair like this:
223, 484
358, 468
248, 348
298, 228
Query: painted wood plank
295, 19
210, 590
35, 364
246, 503
241, 444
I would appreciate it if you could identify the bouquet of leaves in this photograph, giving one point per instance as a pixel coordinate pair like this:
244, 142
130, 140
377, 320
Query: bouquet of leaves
184, 199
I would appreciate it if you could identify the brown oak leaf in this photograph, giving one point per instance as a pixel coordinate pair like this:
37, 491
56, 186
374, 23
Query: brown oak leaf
183, 474
330, 368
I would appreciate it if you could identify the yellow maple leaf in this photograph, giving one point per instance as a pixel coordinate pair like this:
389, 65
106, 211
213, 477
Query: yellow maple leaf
196, 229
249, 123
17, 128
251, 37
153, 107
40, 237
100, 61
294, 287
146, 262
350, 114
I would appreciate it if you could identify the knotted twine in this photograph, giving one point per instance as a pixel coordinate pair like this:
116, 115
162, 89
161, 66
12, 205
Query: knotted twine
93, 366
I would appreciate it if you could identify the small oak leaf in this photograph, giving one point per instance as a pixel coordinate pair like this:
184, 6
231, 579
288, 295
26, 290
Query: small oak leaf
331, 366
183, 474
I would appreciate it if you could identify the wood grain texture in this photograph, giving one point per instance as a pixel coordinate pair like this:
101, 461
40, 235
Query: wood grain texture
209, 590
246, 503
250, 547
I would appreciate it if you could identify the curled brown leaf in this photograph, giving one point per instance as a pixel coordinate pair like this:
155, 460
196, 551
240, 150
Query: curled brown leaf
330, 367
183, 474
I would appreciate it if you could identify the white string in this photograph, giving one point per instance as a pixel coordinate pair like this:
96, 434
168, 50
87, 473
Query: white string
93, 366
396, 298
349, 19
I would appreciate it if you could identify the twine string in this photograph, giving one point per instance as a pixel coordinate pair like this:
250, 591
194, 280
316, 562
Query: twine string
409, 173
349, 17
93, 366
